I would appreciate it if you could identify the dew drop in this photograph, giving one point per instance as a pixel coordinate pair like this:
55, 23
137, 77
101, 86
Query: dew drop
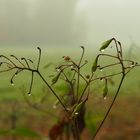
102, 50
29, 94
76, 113
105, 98
12, 84
71, 66
101, 69
131, 66
58, 70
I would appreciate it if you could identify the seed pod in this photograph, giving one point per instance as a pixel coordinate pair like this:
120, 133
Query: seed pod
55, 79
95, 65
106, 44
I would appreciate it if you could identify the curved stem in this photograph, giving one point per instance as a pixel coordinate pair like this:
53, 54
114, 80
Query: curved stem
25, 61
78, 82
107, 113
39, 57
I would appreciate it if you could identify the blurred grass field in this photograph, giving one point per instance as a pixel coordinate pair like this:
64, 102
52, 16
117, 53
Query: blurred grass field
123, 113
54, 56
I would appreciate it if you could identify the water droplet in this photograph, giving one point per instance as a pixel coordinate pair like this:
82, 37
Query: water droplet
101, 69
58, 69
12, 84
72, 66
76, 113
131, 66
29, 94
105, 98
102, 50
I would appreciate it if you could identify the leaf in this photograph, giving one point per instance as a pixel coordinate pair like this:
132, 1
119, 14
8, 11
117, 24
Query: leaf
95, 65
106, 44
55, 79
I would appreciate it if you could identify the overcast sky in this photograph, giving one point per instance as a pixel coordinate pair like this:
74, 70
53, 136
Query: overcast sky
68, 21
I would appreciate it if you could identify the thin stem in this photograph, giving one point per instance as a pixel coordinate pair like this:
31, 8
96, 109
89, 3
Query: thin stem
80, 75
78, 72
34, 106
18, 60
109, 65
107, 113
116, 46
6, 70
8, 59
39, 57
84, 64
77, 129
103, 54
81, 55
52, 90
78, 82
83, 92
120, 48
102, 77
25, 61
31, 85
65, 76
74, 72
15, 74
8, 64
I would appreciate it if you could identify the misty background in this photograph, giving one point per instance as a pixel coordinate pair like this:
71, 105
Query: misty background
68, 22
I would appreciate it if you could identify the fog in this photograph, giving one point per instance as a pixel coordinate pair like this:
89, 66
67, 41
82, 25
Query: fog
68, 22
